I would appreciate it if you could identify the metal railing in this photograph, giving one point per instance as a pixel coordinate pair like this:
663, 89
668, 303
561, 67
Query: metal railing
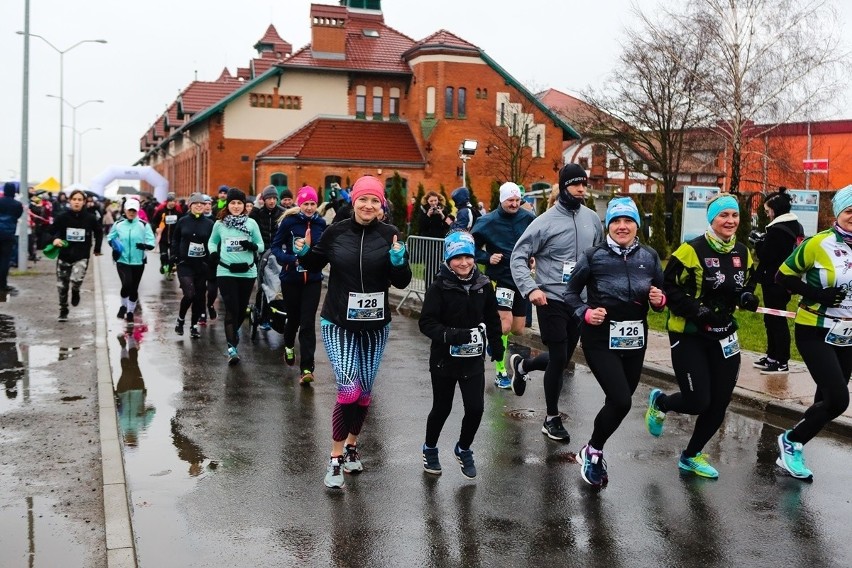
425, 255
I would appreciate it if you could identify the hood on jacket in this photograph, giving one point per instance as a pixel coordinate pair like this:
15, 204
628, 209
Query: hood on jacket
460, 196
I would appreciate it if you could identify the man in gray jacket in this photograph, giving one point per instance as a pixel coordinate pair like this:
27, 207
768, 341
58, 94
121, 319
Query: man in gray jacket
554, 240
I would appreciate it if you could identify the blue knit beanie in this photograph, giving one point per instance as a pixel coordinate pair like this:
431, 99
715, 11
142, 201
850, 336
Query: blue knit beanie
842, 199
622, 207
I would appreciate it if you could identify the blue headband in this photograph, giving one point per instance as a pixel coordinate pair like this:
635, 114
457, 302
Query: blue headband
842, 199
720, 204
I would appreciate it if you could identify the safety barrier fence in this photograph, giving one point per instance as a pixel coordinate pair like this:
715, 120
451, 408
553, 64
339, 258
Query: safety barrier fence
425, 255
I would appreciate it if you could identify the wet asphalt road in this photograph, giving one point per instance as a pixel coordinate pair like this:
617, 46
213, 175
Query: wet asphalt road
225, 467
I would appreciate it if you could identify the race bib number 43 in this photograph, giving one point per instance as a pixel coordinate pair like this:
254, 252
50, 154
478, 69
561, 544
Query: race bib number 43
75, 235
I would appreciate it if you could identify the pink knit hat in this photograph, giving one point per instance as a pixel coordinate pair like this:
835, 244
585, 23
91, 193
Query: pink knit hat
368, 185
306, 193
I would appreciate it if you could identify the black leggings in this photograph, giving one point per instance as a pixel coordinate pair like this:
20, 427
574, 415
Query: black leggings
777, 329
473, 398
706, 379
302, 301
618, 374
130, 276
193, 282
830, 367
236, 293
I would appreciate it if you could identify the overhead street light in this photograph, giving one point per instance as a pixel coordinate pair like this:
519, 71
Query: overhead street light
61, 97
466, 151
74, 129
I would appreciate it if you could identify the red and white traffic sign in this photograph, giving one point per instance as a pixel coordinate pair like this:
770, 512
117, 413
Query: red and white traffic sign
815, 166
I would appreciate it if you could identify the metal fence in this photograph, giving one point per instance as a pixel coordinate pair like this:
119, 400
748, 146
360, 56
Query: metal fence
425, 255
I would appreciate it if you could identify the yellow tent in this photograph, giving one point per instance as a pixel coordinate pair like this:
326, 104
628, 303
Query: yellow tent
50, 184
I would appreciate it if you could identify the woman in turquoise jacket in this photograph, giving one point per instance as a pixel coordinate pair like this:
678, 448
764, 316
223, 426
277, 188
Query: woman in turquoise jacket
235, 244
130, 238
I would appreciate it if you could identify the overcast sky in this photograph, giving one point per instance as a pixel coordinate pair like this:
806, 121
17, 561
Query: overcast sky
156, 48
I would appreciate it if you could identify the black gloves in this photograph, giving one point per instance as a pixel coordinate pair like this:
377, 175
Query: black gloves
248, 245
749, 301
459, 335
715, 323
143, 246
831, 297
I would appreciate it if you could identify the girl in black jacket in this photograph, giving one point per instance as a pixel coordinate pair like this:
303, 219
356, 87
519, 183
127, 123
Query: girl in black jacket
460, 308
366, 258
189, 249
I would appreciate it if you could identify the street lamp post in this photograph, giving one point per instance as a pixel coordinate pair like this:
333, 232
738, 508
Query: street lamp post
74, 128
466, 151
61, 97
80, 151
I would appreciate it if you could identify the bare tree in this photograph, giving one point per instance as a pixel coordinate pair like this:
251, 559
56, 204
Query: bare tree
648, 105
766, 62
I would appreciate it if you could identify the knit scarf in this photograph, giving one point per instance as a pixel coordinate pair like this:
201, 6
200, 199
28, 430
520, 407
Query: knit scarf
237, 222
845, 235
618, 249
716, 243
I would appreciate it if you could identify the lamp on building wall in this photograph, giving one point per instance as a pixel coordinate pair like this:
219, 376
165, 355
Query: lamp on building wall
466, 151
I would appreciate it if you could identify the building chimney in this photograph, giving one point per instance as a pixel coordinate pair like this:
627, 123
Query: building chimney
328, 31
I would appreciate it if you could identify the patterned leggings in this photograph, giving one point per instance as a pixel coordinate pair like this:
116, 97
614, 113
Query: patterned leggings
69, 273
355, 357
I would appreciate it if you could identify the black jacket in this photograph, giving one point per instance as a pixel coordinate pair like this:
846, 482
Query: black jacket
451, 304
267, 222
191, 229
81, 221
359, 259
433, 226
782, 235
619, 283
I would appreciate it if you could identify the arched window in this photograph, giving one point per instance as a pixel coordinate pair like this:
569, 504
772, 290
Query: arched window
360, 101
378, 95
462, 102
279, 180
393, 109
430, 102
448, 102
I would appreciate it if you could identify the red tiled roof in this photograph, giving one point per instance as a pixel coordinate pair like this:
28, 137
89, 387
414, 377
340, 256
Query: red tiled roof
261, 66
381, 54
442, 40
201, 94
562, 103
337, 140
271, 37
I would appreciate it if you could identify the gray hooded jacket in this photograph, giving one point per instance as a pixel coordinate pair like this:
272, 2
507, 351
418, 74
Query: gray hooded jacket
554, 238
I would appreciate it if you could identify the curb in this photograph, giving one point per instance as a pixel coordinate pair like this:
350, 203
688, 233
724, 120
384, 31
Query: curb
121, 551
787, 411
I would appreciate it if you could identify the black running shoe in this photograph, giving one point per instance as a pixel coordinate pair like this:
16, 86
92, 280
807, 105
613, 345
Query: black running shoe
194, 332
129, 318
431, 463
554, 430
63, 315
179, 326
519, 380
761, 363
75, 297
465, 459
122, 311
775, 368
211, 312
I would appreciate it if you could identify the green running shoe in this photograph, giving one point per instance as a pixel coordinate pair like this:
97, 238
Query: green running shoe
698, 465
791, 458
654, 418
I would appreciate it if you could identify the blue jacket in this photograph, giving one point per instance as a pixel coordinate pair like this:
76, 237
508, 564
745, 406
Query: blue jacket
131, 233
464, 214
498, 232
294, 225
10, 211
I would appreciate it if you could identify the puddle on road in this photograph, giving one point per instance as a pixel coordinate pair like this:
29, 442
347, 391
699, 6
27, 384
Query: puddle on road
35, 535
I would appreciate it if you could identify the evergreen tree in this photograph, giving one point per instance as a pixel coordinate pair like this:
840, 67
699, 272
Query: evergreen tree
743, 231
495, 195
658, 226
415, 213
449, 202
397, 200
677, 223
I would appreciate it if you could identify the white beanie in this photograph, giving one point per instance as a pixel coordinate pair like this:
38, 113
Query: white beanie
509, 190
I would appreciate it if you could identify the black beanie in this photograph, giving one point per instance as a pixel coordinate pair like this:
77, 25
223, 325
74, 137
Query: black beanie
235, 194
9, 189
286, 193
570, 174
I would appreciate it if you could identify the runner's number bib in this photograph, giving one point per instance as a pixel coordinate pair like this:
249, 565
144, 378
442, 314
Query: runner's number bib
232, 244
567, 269
840, 334
366, 306
472, 349
171, 219
505, 297
730, 345
75, 235
195, 250
626, 334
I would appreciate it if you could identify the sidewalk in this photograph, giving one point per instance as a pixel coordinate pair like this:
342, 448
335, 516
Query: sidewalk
786, 396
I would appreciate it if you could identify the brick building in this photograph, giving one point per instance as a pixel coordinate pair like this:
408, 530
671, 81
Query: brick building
361, 98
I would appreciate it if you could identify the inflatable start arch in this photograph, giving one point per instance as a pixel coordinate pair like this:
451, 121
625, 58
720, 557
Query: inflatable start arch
144, 173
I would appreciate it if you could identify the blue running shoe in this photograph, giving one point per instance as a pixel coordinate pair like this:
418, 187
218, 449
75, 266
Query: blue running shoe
502, 381
233, 356
592, 466
791, 458
265, 326
698, 465
654, 418
431, 463
465, 458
